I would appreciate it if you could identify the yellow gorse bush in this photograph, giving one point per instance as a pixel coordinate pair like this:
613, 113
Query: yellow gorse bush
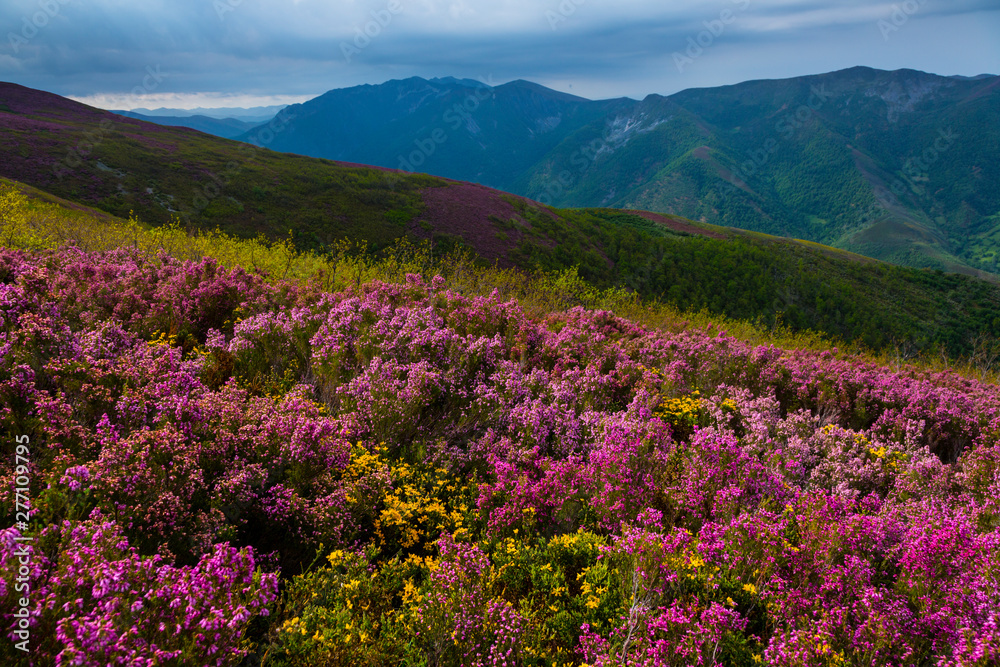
423, 503
683, 413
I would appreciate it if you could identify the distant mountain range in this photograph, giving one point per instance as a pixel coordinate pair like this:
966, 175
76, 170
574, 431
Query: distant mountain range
902, 166
457, 128
94, 158
227, 128
251, 114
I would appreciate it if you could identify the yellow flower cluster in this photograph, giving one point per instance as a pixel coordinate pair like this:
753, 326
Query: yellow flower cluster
571, 540
510, 546
684, 410
592, 594
881, 453
364, 474
363, 462
422, 505
163, 339
889, 458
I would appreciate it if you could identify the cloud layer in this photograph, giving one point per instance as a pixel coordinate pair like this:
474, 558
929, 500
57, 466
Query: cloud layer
211, 50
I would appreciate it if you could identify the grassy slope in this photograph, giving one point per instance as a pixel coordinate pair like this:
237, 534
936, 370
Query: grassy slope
119, 165
151, 169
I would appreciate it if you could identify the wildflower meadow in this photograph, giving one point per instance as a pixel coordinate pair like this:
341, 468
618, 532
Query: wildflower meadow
228, 469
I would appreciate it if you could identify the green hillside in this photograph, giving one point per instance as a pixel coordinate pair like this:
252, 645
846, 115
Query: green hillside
901, 166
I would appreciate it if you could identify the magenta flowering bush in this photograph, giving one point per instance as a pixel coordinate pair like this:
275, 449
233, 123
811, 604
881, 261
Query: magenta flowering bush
437, 478
460, 621
100, 602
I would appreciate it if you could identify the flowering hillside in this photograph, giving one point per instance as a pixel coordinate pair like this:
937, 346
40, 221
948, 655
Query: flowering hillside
226, 470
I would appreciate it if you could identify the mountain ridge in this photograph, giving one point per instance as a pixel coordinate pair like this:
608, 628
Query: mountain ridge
839, 158
227, 128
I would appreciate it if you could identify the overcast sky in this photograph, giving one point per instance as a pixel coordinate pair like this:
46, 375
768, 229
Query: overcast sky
189, 53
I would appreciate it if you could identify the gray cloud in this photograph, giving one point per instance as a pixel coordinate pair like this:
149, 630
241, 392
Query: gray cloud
596, 48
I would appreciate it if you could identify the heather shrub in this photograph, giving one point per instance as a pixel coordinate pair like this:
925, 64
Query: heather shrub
462, 619
100, 602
